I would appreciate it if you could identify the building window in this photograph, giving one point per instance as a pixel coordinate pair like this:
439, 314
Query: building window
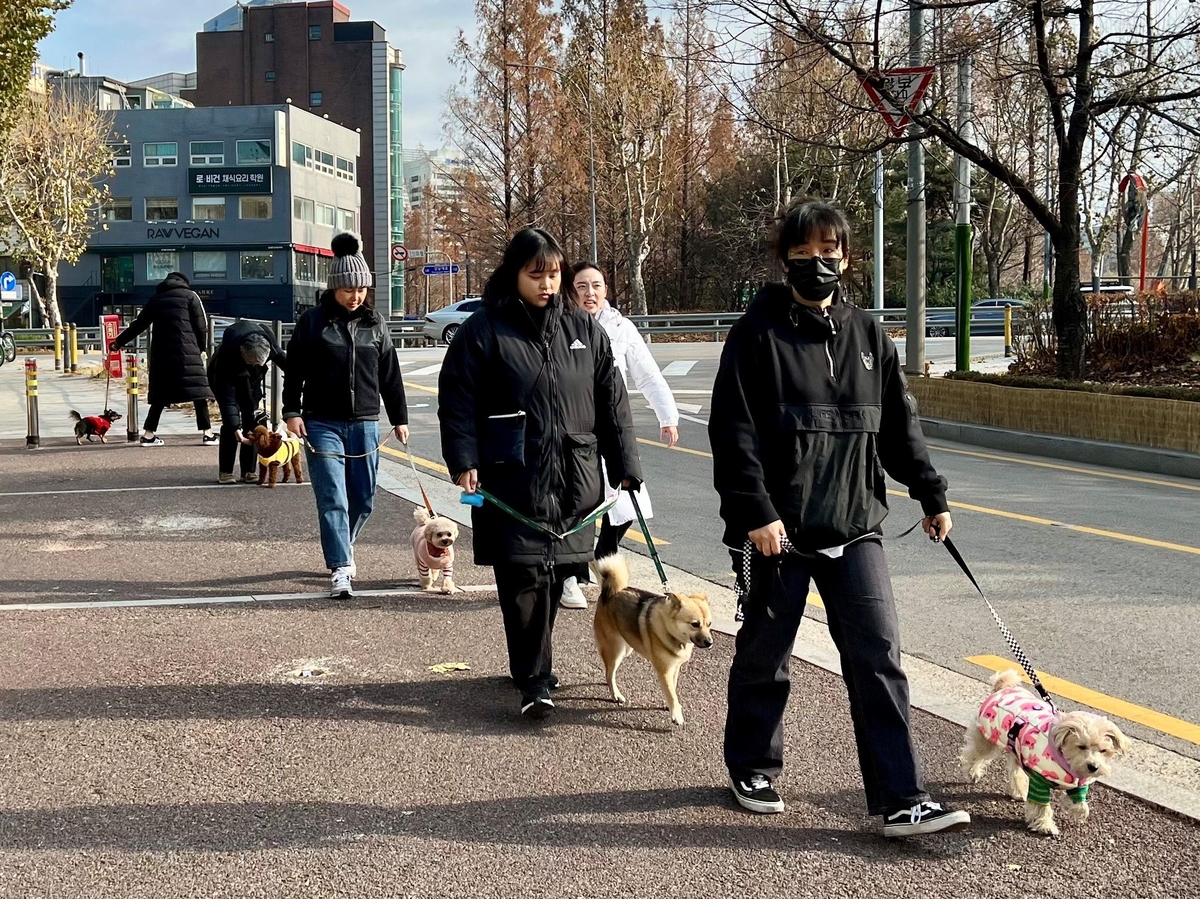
323, 269
306, 267
304, 210
207, 152
208, 209
415, 178
326, 215
122, 156
345, 169
116, 274
258, 266
314, 32
254, 207
253, 152
325, 162
209, 265
314, 98
298, 153
160, 154
116, 209
159, 265
269, 37
162, 209
345, 220
270, 76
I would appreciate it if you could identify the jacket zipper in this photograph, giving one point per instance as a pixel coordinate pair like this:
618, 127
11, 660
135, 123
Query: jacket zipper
828, 354
353, 367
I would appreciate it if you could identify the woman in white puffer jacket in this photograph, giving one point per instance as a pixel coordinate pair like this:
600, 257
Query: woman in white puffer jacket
633, 360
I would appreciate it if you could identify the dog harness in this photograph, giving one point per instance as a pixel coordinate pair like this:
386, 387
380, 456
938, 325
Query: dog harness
288, 450
1020, 720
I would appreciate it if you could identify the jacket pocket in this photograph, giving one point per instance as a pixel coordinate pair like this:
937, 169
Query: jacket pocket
503, 439
584, 483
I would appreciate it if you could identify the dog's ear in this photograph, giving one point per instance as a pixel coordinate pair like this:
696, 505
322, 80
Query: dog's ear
1068, 726
674, 603
274, 442
1120, 743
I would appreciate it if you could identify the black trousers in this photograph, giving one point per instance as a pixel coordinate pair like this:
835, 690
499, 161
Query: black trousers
238, 403
857, 592
529, 597
203, 423
610, 537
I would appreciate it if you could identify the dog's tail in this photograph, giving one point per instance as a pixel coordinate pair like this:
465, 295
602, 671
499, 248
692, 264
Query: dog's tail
75, 416
421, 514
1004, 679
613, 573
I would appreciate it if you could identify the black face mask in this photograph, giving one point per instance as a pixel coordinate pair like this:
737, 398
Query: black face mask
814, 278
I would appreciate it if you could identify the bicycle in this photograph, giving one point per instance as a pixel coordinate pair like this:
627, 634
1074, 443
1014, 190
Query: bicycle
8, 346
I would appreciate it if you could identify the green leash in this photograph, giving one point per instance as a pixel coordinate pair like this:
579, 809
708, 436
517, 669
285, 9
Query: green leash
476, 499
662, 575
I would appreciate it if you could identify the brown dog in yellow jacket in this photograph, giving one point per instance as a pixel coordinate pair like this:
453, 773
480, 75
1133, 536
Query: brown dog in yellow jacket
662, 629
274, 450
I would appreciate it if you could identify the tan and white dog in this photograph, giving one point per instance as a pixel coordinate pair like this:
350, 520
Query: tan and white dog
1046, 751
433, 549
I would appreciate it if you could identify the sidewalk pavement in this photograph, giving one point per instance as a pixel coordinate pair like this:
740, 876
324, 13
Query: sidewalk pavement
259, 745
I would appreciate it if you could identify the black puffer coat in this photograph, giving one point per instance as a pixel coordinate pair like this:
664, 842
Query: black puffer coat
233, 382
534, 412
180, 333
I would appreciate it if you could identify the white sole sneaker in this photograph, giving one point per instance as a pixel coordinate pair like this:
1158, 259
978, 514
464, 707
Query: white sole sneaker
572, 596
754, 805
949, 821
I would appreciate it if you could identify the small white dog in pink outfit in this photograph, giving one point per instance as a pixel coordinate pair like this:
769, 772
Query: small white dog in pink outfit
433, 549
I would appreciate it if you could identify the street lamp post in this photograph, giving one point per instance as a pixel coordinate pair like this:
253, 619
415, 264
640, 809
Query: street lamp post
587, 104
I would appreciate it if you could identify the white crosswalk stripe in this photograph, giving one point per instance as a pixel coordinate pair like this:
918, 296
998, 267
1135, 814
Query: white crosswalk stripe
678, 368
427, 370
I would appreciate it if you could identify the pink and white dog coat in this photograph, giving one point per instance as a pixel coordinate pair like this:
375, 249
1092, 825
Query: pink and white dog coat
1016, 718
429, 556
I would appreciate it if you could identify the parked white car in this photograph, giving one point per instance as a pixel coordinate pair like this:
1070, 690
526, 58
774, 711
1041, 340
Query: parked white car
443, 324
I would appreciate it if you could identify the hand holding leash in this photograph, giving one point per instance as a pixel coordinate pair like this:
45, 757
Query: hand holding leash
937, 526
768, 539
402, 434
296, 426
468, 480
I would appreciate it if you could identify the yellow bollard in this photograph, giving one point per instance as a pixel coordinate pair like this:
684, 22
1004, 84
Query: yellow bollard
74, 349
58, 348
131, 388
1008, 346
32, 437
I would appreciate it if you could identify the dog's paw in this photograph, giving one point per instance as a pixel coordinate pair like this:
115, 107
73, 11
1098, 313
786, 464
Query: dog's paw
1040, 819
677, 717
974, 771
1079, 812
619, 697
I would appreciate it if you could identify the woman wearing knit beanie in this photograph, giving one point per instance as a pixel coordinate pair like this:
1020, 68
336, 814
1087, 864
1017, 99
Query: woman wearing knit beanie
341, 362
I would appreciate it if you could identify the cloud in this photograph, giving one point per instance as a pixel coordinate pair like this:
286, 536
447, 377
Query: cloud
135, 39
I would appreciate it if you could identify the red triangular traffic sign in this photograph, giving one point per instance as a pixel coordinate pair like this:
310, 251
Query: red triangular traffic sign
906, 85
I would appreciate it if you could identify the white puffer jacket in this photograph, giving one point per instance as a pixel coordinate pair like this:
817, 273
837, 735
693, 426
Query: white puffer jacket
632, 358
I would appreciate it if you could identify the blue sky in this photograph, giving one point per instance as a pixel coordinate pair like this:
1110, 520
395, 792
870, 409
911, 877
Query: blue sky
132, 39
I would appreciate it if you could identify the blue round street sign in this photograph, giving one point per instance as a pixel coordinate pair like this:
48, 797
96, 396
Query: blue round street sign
8, 282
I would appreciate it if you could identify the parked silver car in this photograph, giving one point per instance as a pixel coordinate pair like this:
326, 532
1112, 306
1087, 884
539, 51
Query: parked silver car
443, 324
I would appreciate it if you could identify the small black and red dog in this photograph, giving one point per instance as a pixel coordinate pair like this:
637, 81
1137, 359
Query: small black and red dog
93, 425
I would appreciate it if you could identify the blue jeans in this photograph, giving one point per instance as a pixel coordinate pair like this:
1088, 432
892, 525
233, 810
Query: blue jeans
344, 488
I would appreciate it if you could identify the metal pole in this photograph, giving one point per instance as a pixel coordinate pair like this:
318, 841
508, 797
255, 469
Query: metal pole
425, 311
1047, 252
74, 345
1008, 344
878, 229
277, 382
131, 389
592, 178
1192, 226
58, 348
962, 229
915, 318
33, 437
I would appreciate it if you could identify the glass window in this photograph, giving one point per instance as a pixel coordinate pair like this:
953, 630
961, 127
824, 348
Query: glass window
269, 37
253, 152
254, 207
159, 265
315, 98
160, 154
326, 215
314, 32
324, 162
345, 220
162, 209
306, 267
258, 266
270, 76
298, 153
116, 209
345, 169
207, 152
116, 274
209, 264
208, 209
304, 210
122, 155
323, 269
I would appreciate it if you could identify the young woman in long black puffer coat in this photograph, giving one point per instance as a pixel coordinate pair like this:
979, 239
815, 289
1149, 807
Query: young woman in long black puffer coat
530, 402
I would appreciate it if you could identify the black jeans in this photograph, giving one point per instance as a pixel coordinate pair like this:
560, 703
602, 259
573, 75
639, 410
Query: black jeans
610, 537
203, 423
858, 600
529, 597
238, 403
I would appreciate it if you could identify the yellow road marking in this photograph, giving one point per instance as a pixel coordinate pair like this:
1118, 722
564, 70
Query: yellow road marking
412, 386
1088, 471
424, 463
1175, 727
676, 448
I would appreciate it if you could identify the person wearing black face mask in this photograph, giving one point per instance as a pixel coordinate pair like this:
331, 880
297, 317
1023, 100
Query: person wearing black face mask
809, 410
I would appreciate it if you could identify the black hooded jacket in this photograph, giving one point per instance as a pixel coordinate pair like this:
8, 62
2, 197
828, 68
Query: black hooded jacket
810, 408
232, 380
534, 411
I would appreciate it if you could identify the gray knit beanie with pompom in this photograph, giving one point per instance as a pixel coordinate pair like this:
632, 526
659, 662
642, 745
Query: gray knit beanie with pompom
349, 268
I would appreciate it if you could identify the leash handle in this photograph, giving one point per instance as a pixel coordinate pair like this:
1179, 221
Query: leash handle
662, 575
477, 499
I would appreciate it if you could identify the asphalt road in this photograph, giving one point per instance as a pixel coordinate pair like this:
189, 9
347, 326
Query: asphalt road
1113, 612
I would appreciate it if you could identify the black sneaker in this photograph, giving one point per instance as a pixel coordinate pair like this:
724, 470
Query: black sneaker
537, 705
554, 682
152, 441
211, 439
756, 794
924, 817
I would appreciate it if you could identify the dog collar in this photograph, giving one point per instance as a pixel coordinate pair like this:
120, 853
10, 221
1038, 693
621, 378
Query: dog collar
436, 551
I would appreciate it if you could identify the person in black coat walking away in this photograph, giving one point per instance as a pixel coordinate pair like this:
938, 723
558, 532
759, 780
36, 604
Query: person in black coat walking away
529, 402
235, 373
809, 410
176, 369
340, 363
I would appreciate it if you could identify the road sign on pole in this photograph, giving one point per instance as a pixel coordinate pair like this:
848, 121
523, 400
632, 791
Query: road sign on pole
440, 268
399, 253
416, 254
907, 85
8, 286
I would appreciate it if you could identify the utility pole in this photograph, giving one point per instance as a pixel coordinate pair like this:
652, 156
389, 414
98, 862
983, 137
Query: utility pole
962, 229
1192, 225
878, 229
1047, 249
914, 342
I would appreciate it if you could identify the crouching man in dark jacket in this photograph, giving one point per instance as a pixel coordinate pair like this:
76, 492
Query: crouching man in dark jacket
529, 402
810, 409
235, 374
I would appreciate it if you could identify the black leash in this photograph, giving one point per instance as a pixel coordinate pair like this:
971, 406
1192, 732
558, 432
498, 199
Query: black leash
662, 576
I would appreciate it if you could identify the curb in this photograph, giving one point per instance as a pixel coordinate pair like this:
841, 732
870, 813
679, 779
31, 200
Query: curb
1072, 449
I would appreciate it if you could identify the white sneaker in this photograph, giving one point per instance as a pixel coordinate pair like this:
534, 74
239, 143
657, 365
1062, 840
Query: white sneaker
572, 596
339, 583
